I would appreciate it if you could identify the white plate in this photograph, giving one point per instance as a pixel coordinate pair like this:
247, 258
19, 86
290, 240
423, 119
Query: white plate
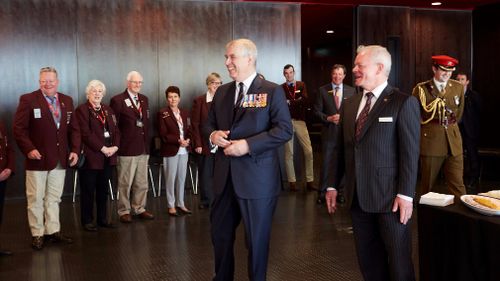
469, 202
492, 193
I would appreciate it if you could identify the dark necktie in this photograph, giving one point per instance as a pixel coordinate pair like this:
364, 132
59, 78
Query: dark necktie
363, 115
240, 95
337, 98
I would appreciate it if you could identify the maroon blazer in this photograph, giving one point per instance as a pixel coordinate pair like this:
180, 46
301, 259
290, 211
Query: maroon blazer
7, 155
297, 99
169, 131
39, 131
134, 140
199, 117
92, 132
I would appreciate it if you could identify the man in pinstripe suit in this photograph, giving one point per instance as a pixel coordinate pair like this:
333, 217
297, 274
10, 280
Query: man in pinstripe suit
378, 150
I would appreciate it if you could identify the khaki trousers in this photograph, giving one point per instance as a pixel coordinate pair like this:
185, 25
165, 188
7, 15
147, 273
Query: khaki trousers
453, 168
132, 182
300, 130
43, 193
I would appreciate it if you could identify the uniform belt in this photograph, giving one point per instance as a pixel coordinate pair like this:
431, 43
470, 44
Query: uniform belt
442, 122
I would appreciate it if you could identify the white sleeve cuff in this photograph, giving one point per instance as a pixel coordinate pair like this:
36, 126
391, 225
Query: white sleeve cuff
404, 197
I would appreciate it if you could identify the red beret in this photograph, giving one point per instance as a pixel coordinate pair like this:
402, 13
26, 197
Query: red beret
446, 63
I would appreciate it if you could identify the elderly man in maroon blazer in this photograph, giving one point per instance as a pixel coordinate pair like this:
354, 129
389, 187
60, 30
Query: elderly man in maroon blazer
7, 166
47, 134
132, 113
199, 116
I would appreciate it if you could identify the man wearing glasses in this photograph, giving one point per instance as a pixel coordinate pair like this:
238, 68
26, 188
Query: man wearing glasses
132, 113
48, 137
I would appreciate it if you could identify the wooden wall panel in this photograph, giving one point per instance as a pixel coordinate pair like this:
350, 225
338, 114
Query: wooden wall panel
441, 32
192, 47
275, 29
391, 22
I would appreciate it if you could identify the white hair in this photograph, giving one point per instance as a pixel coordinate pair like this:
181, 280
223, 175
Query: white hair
378, 54
248, 48
131, 74
95, 84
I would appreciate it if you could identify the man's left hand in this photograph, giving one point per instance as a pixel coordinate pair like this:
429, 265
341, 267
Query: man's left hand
237, 148
405, 209
73, 158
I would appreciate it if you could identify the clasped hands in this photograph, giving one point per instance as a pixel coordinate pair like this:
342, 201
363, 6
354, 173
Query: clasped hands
231, 147
109, 151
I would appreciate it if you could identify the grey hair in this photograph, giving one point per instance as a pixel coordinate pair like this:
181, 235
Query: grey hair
95, 84
249, 49
132, 73
48, 69
378, 54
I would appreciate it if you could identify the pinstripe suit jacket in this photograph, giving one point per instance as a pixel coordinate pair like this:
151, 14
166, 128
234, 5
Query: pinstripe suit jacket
384, 162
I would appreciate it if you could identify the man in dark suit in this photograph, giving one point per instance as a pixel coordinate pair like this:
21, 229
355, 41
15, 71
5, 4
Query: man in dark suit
249, 119
297, 99
132, 113
327, 108
469, 129
49, 137
199, 116
377, 152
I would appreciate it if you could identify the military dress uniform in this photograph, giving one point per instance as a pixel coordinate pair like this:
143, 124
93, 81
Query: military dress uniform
440, 140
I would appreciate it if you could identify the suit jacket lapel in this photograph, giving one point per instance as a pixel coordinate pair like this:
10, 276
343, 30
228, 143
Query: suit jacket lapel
228, 101
376, 109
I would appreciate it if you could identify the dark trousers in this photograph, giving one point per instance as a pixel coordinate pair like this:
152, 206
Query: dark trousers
3, 185
94, 183
383, 245
206, 173
471, 160
225, 216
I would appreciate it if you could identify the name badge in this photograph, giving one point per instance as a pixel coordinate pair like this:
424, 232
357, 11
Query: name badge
139, 123
128, 103
106, 134
385, 119
37, 113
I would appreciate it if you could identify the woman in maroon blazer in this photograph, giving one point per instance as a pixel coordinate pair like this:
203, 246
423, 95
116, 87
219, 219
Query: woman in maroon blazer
7, 166
173, 128
100, 141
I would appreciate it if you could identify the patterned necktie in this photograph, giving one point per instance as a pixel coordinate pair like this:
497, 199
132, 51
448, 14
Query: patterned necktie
363, 115
337, 98
240, 95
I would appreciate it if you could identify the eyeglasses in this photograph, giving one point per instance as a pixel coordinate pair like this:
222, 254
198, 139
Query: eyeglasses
216, 83
44, 82
137, 82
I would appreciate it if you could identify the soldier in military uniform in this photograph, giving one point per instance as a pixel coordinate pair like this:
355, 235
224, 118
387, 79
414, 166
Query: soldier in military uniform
442, 105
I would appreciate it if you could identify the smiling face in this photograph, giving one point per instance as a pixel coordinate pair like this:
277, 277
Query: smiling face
48, 83
213, 85
173, 100
441, 75
366, 72
338, 76
134, 84
240, 65
95, 96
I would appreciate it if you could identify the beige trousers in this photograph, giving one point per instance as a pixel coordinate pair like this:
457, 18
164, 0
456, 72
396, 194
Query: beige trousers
132, 182
43, 193
300, 130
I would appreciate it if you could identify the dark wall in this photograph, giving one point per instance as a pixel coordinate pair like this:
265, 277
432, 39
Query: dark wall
415, 35
485, 71
169, 42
